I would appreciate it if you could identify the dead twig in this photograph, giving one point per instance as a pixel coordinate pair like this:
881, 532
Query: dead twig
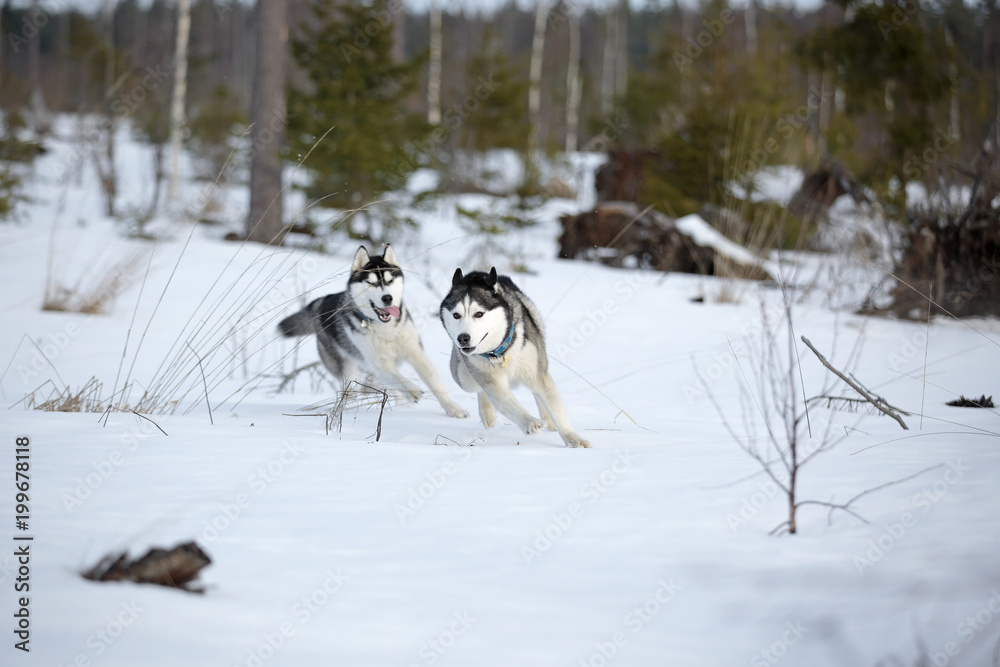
877, 401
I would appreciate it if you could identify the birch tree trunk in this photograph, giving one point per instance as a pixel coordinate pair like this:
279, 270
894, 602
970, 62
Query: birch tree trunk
573, 87
434, 75
264, 223
750, 18
608, 64
535, 89
621, 50
954, 117
177, 120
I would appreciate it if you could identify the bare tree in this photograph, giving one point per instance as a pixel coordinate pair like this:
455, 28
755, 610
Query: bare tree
573, 84
608, 62
535, 76
434, 75
104, 156
621, 49
750, 20
177, 120
264, 223
773, 396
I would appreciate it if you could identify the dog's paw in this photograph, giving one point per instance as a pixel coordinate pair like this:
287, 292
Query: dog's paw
573, 440
413, 395
533, 426
453, 410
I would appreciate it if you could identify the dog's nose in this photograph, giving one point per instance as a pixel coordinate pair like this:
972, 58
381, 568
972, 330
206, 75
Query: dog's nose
386, 299
463, 339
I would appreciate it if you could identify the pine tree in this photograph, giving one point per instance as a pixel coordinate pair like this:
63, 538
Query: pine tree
492, 115
892, 64
359, 94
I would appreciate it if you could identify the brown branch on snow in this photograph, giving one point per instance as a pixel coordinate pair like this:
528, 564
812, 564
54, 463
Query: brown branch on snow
877, 401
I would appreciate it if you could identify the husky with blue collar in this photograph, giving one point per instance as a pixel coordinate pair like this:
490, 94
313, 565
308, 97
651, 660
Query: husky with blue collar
368, 329
498, 343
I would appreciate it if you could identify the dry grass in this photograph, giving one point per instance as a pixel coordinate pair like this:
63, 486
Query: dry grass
91, 295
50, 398
355, 396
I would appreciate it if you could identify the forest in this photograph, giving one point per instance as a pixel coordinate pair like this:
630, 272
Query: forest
692, 103
893, 90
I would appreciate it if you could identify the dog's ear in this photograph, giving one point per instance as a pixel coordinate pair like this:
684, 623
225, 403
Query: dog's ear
360, 259
389, 255
493, 277
457, 278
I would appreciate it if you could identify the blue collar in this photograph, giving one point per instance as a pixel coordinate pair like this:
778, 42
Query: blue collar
497, 353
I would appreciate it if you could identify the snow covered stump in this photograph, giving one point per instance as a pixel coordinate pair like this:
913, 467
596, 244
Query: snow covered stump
623, 235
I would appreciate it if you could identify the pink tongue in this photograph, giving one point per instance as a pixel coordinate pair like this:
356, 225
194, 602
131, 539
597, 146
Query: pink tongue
392, 310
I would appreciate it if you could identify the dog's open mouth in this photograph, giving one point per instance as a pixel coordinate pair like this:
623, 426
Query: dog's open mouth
385, 314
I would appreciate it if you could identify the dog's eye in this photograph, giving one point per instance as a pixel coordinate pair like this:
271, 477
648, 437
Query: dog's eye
479, 314
456, 316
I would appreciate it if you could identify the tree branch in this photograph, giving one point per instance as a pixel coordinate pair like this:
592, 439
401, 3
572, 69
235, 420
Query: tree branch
877, 401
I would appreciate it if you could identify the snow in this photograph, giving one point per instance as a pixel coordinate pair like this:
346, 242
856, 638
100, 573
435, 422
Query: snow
706, 236
444, 543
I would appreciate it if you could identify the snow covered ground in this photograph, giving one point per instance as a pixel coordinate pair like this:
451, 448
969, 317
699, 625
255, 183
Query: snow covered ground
445, 544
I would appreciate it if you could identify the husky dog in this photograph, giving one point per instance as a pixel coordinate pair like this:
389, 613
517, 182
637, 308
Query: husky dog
368, 329
498, 343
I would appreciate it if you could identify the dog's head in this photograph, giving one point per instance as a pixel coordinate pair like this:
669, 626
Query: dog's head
475, 313
376, 284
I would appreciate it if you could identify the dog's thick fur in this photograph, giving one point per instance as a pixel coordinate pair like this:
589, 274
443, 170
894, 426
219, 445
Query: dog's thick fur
368, 329
499, 342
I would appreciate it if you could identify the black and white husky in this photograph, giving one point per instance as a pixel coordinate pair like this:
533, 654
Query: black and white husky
367, 328
499, 342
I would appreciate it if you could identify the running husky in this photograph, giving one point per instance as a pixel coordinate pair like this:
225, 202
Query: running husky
367, 329
499, 342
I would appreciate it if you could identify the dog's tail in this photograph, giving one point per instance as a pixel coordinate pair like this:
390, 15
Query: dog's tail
301, 323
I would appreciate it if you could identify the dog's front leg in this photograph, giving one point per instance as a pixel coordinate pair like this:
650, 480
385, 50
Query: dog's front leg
548, 397
499, 394
418, 359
